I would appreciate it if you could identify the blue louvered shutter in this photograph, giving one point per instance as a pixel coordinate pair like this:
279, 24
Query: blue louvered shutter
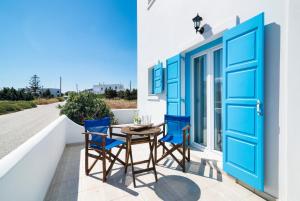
158, 79
173, 85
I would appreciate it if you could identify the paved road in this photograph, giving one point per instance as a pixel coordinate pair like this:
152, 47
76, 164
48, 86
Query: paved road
16, 128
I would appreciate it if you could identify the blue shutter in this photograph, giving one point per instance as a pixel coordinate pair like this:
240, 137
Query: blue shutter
243, 99
158, 79
173, 85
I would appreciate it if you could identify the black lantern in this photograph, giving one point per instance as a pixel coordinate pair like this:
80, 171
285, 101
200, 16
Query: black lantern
197, 21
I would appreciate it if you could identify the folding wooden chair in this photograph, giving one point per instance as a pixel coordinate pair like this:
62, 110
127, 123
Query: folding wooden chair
96, 139
176, 132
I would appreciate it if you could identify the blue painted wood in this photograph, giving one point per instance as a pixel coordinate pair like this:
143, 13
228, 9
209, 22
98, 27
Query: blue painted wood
173, 85
158, 79
188, 57
243, 126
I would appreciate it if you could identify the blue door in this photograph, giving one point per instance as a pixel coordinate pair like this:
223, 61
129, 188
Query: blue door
243, 100
173, 85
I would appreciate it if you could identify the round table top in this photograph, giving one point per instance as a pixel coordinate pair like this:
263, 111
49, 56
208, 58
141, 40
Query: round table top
147, 131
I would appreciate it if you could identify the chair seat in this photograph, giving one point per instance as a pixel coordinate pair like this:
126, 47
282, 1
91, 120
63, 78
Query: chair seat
110, 143
174, 139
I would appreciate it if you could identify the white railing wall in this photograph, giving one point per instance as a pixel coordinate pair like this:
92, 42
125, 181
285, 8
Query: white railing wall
26, 172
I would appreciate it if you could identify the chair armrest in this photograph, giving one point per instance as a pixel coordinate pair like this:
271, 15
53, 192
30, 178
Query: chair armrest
95, 133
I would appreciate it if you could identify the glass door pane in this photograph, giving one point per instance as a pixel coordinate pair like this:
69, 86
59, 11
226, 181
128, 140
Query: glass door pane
200, 83
218, 100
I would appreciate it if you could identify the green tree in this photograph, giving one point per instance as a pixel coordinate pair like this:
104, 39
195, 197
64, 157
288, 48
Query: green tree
13, 94
110, 93
46, 93
121, 94
34, 85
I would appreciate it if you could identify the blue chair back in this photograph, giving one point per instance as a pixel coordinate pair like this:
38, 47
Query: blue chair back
97, 125
175, 124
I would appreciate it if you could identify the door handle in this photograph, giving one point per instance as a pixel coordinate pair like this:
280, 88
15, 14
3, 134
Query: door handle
258, 108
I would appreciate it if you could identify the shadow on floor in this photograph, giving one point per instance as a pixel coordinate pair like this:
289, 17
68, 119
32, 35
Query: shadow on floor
197, 168
171, 187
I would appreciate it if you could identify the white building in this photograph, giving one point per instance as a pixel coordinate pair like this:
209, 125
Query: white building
100, 88
53, 91
244, 64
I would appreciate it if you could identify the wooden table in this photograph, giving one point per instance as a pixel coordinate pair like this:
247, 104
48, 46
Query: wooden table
144, 136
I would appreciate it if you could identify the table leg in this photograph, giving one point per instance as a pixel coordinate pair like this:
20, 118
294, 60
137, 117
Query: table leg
152, 157
155, 148
127, 154
131, 158
151, 147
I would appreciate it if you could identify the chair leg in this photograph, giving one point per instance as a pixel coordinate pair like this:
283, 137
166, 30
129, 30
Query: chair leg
114, 159
86, 164
184, 151
189, 149
104, 164
183, 157
86, 156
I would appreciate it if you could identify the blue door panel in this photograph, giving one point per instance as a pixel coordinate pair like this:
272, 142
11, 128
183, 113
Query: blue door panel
235, 45
246, 121
245, 80
173, 85
243, 100
244, 159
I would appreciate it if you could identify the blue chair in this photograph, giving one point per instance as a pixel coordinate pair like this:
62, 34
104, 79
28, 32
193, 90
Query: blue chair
96, 139
176, 132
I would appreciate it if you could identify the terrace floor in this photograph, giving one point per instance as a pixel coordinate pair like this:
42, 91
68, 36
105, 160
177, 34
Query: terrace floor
203, 180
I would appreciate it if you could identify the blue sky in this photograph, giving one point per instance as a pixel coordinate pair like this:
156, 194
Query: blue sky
84, 41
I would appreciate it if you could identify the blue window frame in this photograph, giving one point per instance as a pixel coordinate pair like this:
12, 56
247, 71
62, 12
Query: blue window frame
188, 60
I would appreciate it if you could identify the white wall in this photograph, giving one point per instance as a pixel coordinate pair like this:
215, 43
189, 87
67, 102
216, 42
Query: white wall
167, 29
124, 116
292, 102
26, 173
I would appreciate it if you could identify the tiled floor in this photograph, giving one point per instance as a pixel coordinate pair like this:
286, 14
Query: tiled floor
203, 180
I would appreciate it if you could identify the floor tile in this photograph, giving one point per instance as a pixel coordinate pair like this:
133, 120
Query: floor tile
203, 180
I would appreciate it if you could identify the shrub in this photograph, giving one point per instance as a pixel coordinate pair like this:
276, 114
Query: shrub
60, 99
14, 106
83, 106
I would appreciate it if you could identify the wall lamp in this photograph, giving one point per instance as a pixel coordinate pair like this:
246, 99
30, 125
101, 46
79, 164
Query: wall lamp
197, 21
